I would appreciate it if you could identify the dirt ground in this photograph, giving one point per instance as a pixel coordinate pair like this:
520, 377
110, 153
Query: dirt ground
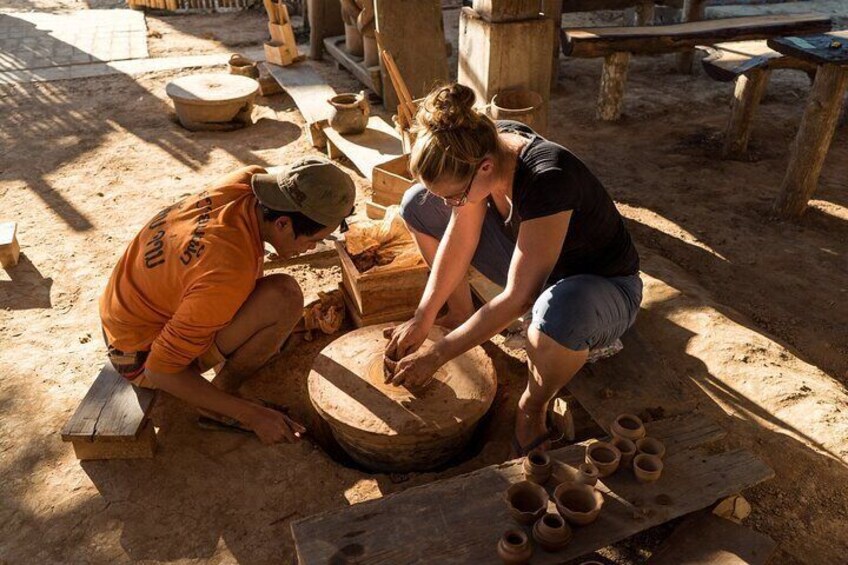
752, 311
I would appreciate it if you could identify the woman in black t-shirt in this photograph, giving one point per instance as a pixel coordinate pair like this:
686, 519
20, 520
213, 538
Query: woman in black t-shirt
531, 217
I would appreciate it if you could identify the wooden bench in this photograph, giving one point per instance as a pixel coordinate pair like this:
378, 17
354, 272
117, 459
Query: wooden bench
616, 44
749, 64
111, 421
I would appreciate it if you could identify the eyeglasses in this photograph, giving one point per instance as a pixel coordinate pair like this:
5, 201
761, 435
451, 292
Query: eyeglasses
461, 198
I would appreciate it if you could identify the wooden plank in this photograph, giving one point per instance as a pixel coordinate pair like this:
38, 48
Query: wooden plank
824, 49
594, 5
413, 32
634, 380
378, 144
324, 250
142, 447
310, 94
467, 513
812, 142
725, 62
369, 76
360, 320
706, 539
647, 40
112, 410
506, 11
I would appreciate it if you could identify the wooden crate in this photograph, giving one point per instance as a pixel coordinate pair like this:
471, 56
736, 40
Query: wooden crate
394, 292
390, 180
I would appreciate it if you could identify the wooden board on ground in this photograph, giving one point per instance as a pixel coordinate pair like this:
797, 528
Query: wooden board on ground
310, 94
467, 514
376, 145
707, 539
647, 40
369, 76
827, 48
727, 61
633, 381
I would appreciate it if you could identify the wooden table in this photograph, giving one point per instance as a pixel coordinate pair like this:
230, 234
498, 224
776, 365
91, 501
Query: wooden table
829, 51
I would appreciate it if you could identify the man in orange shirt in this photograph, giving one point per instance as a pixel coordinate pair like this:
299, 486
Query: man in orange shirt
188, 294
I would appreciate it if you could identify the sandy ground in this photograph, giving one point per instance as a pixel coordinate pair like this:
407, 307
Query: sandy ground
750, 310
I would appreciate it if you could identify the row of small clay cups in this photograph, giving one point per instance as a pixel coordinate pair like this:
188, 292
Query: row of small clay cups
644, 457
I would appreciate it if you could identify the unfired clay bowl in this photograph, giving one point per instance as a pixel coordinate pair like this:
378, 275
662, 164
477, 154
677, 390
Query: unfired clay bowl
514, 547
579, 504
537, 467
627, 449
651, 446
604, 456
647, 468
587, 474
527, 502
628, 426
551, 532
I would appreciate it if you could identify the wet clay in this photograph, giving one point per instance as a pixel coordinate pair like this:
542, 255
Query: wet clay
527, 502
514, 548
551, 532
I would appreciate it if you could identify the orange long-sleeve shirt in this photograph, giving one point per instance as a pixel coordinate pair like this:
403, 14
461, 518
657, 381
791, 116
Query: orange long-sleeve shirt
185, 275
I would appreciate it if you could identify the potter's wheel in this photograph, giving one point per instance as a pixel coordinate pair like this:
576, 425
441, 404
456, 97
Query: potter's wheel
212, 88
392, 428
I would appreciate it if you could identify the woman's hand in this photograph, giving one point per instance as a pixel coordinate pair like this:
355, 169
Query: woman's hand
414, 370
405, 338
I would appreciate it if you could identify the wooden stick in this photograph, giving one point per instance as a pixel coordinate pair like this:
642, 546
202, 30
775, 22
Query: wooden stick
407, 106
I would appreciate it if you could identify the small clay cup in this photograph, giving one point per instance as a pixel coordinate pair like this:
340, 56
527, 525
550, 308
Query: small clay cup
647, 468
587, 474
537, 467
551, 532
527, 502
514, 547
579, 504
605, 456
241, 65
628, 426
627, 449
651, 446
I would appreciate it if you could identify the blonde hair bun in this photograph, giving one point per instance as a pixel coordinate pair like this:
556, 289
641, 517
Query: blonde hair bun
449, 108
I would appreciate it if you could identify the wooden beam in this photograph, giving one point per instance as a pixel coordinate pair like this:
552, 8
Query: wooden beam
749, 91
654, 40
613, 82
325, 20
369, 76
467, 514
506, 10
552, 10
693, 11
812, 141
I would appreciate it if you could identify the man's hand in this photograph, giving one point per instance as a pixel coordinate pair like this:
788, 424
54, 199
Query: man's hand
274, 427
405, 339
414, 370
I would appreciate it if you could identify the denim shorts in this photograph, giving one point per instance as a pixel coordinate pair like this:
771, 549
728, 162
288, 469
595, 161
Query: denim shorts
578, 312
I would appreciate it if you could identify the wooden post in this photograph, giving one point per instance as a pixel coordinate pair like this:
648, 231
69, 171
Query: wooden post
750, 88
645, 13
812, 141
325, 20
693, 11
552, 9
613, 81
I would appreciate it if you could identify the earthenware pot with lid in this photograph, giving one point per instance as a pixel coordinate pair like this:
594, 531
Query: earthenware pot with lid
514, 547
527, 502
628, 426
604, 456
551, 532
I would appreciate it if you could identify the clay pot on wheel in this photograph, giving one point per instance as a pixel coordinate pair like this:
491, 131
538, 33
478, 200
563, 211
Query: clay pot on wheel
628, 426
537, 467
604, 456
350, 112
241, 65
647, 468
627, 449
587, 474
579, 504
527, 502
514, 547
551, 532
651, 446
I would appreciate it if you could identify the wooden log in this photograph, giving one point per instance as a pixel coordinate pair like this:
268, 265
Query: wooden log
412, 32
656, 40
325, 20
749, 91
552, 10
613, 82
506, 10
10, 251
812, 141
645, 13
693, 10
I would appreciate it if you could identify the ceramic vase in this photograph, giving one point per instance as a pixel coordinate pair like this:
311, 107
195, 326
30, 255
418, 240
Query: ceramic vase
579, 504
551, 532
604, 456
527, 502
514, 547
537, 467
350, 113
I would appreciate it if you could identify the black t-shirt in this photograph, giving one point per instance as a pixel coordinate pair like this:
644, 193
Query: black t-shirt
550, 179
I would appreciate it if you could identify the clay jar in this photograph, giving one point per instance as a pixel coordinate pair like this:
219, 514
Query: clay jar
628, 426
537, 467
527, 502
514, 547
579, 504
604, 456
627, 449
587, 474
350, 112
647, 468
551, 532
241, 65
651, 446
